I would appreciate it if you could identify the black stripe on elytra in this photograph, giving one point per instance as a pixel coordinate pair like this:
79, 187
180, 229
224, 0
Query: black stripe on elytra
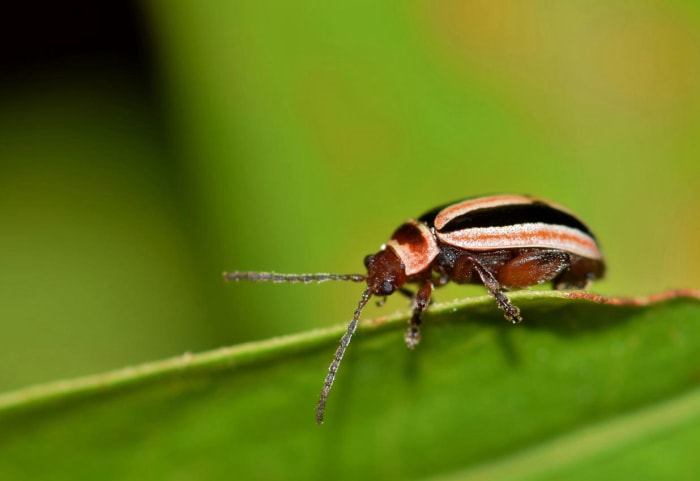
505, 215
429, 217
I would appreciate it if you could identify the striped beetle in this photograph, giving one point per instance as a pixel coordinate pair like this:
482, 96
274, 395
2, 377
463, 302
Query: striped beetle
500, 241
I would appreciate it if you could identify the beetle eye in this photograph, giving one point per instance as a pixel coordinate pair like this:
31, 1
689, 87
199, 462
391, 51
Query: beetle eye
387, 287
368, 260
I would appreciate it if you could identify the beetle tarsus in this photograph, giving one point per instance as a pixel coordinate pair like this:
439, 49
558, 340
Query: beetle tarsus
512, 313
412, 337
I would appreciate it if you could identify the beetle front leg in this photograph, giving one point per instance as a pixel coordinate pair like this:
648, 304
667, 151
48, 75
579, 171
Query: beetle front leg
511, 312
421, 299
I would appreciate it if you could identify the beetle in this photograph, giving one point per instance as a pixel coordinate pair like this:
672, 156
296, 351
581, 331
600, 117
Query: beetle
504, 242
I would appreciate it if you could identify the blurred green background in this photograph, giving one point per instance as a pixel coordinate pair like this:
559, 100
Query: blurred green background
146, 148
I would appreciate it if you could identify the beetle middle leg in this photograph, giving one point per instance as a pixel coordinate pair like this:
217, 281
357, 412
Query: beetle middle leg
511, 312
422, 300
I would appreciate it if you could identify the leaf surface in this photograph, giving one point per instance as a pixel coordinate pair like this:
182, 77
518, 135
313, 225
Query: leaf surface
579, 389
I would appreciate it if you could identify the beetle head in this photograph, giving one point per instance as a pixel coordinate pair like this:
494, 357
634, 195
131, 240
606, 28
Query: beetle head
385, 272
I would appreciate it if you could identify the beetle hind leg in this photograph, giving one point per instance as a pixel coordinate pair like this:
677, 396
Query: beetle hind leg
582, 272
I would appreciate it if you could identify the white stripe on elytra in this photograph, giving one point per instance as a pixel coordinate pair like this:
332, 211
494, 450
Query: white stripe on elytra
550, 236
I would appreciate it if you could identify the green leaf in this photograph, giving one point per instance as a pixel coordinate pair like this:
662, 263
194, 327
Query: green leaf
579, 389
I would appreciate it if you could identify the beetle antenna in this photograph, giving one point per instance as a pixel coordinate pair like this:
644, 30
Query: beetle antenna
291, 278
339, 353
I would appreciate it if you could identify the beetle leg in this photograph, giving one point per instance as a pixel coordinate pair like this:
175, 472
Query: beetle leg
442, 280
421, 299
412, 295
442, 276
581, 273
512, 313
381, 301
533, 267
406, 292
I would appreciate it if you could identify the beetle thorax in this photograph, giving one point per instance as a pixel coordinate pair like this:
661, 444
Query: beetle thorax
415, 245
